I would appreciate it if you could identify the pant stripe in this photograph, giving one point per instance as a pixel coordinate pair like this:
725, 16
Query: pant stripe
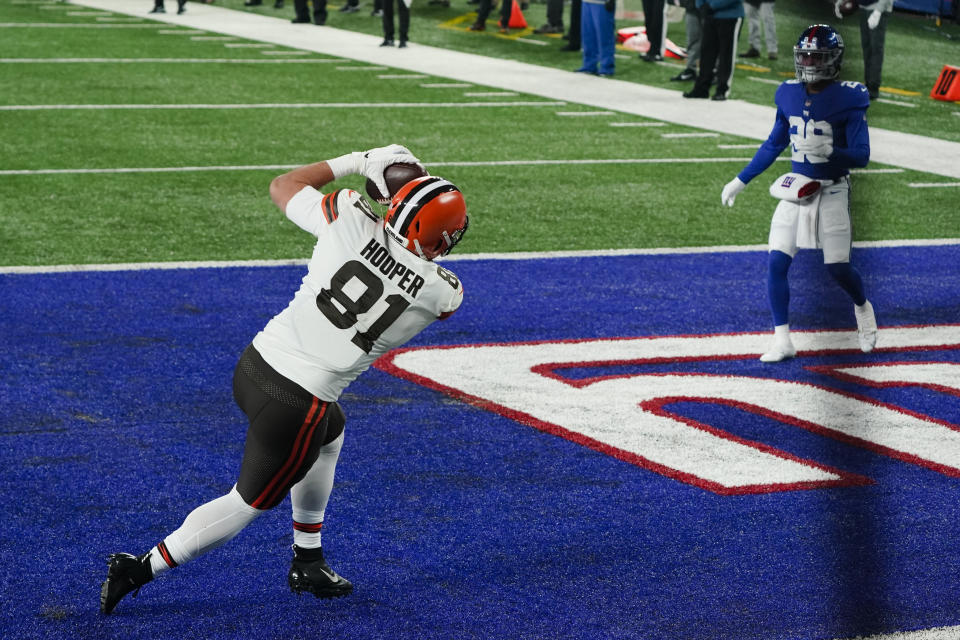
297, 453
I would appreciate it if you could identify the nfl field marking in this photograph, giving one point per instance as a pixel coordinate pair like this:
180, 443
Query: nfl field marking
290, 105
445, 85
896, 103
936, 633
765, 80
358, 67
876, 171
519, 255
248, 45
899, 92
286, 167
925, 185
637, 124
627, 414
118, 19
78, 25
161, 61
185, 32
400, 76
584, 114
699, 134
736, 146
288, 52
528, 41
212, 38
87, 13
488, 94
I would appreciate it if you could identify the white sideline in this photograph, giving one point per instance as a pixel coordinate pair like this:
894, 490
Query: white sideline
910, 151
519, 255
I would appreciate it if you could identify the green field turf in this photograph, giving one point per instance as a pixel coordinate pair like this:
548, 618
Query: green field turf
916, 50
69, 218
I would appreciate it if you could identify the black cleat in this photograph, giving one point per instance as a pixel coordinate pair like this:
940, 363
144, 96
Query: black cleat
126, 573
310, 572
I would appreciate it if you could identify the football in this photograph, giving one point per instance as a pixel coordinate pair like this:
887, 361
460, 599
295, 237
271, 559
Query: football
395, 175
847, 7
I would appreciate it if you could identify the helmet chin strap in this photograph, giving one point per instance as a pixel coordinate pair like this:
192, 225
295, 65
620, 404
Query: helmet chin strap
416, 245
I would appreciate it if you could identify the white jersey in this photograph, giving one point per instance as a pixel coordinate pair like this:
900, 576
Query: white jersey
363, 295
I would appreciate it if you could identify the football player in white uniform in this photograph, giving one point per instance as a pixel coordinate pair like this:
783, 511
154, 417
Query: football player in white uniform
824, 122
370, 286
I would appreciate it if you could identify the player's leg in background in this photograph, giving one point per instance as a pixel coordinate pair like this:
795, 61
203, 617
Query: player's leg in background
836, 235
872, 41
752, 14
588, 36
769, 28
607, 42
728, 32
403, 13
783, 246
388, 22
708, 57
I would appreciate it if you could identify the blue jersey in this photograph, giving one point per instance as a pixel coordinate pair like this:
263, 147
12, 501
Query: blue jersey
839, 111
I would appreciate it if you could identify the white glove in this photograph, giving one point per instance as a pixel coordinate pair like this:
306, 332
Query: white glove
730, 191
836, 9
816, 146
372, 163
874, 19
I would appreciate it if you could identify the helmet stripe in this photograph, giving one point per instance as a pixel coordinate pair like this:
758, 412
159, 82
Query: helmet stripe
414, 201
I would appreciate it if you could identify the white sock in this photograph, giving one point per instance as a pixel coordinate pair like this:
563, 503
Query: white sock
309, 496
781, 332
207, 527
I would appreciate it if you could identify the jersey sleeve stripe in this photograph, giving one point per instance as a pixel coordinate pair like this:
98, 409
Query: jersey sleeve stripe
330, 211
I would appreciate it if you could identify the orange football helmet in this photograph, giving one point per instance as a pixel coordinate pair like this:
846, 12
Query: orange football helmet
428, 216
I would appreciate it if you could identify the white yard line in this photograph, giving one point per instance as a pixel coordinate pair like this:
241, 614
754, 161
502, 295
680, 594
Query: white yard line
897, 103
765, 80
637, 124
80, 25
287, 167
584, 114
160, 60
445, 85
290, 105
520, 255
924, 185
699, 134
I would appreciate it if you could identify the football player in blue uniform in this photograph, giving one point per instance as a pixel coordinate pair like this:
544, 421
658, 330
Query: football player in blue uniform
824, 121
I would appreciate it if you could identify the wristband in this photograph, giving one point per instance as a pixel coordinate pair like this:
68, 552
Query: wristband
345, 165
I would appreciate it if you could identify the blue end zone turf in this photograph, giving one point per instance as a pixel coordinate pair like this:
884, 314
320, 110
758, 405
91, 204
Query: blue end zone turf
452, 521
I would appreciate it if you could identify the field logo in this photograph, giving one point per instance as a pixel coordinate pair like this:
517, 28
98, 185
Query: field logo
628, 415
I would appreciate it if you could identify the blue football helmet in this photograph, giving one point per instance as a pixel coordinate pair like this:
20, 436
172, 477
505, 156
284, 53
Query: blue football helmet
818, 54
